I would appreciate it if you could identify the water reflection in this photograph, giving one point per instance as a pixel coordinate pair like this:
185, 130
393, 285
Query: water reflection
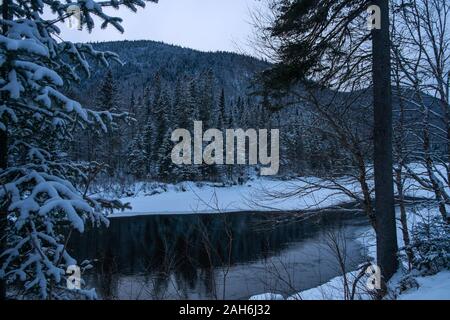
211, 256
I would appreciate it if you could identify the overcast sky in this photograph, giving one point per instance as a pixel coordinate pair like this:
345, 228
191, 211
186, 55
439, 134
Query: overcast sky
207, 25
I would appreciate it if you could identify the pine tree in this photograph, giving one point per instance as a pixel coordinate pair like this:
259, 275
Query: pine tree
207, 98
185, 106
205, 108
293, 149
148, 105
186, 109
333, 52
165, 164
39, 192
107, 98
162, 132
193, 103
133, 113
217, 172
110, 150
194, 172
137, 157
221, 111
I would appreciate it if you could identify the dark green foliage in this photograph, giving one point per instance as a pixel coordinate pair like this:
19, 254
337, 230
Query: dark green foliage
431, 246
314, 36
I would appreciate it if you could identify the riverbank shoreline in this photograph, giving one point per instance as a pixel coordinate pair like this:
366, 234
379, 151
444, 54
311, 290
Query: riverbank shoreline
259, 195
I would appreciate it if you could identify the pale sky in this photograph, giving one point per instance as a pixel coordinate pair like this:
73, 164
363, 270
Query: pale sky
207, 25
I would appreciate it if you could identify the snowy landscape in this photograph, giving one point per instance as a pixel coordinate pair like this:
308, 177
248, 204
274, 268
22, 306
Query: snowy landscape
255, 196
309, 162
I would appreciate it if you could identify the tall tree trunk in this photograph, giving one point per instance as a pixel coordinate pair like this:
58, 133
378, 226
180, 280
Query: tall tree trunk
400, 139
440, 197
3, 160
3, 211
383, 163
447, 109
403, 215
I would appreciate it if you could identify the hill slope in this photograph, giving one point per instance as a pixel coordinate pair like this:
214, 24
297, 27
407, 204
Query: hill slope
143, 59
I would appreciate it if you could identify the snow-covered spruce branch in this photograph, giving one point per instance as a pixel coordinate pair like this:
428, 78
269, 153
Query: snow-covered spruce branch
40, 187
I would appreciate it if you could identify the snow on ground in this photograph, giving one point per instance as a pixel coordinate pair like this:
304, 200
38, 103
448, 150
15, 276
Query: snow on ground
267, 296
436, 287
192, 198
213, 199
332, 290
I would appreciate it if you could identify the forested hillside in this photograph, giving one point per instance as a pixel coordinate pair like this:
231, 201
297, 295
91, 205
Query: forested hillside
163, 87
144, 59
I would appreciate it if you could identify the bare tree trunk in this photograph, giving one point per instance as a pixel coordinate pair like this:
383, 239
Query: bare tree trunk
3, 211
383, 163
401, 155
3, 160
368, 206
447, 113
403, 215
429, 167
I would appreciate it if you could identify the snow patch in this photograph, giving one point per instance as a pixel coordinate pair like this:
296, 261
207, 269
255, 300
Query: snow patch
436, 287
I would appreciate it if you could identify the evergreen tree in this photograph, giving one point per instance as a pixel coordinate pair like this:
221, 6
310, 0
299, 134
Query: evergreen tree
207, 98
138, 158
108, 98
187, 110
217, 172
195, 172
193, 103
165, 165
132, 110
293, 149
221, 111
162, 133
39, 191
150, 100
334, 52
110, 149
185, 104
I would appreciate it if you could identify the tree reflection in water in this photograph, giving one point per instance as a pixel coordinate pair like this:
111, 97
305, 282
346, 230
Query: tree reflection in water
199, 256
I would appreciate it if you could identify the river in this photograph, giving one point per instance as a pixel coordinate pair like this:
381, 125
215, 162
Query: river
217, 256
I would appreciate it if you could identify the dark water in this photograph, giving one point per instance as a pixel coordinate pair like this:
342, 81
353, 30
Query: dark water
231, 256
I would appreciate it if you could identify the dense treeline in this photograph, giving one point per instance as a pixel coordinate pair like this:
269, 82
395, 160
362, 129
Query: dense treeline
215, 88
163, 87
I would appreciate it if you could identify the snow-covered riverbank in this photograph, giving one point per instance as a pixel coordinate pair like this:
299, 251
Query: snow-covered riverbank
191, 198
261, 195
433, 287
255, 195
